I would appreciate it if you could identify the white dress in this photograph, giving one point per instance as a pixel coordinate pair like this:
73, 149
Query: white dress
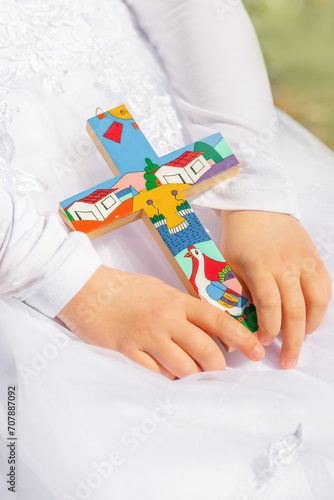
90, 423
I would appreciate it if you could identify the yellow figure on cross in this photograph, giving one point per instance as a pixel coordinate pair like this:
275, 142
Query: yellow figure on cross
163, 201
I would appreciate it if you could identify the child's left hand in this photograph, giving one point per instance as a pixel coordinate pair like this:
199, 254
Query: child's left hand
282, 272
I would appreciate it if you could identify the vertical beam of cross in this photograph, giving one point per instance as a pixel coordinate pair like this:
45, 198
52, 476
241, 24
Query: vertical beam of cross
155, 189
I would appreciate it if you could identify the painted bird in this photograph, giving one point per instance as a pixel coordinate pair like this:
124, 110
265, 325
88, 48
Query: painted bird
210, 289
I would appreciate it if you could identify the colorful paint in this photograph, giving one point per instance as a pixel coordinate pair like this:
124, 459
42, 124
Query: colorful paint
158, 187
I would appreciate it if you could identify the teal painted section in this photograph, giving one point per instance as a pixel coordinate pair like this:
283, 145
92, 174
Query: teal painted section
125, 197
223, 148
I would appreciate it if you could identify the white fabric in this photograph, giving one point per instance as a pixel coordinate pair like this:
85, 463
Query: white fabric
40, 265
213, 59
90, 423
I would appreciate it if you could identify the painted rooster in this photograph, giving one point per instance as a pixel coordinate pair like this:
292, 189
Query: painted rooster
204, 280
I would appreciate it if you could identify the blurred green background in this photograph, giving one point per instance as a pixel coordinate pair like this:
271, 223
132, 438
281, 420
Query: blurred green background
297, 39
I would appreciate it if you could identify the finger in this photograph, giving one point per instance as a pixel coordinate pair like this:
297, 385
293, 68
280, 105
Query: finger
174, 359
316, 300
245, 289
326, 279
201, 347
267, 300
218, 323
144, 359
293, 324
314, 265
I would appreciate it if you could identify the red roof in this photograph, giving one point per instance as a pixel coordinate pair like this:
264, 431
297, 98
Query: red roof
97, 195
183, 160
94, 197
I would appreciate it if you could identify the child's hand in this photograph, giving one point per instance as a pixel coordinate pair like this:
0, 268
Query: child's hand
279, 266
152, 323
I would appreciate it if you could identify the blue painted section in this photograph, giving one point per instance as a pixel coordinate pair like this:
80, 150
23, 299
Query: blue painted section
193, 234
216, 290
128, 155
126, 193
124, 197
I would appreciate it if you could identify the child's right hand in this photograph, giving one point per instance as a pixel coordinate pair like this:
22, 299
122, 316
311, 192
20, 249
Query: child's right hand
154, 324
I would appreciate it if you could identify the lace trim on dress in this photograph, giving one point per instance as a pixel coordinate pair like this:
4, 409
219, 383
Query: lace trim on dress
45, 40
15, 178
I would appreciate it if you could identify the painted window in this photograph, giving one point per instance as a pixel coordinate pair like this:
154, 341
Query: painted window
174, 179
82, 215
197, 166
108, 202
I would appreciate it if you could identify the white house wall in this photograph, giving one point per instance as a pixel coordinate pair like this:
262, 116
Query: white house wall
108, 204
189, 174
197, 168
98, 211
172, 175
85, 211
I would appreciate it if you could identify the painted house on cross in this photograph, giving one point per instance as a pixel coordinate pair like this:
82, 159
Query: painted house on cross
100, 204
186, 169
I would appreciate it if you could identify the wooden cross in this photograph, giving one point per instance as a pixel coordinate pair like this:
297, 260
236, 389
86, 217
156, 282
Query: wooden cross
155, 189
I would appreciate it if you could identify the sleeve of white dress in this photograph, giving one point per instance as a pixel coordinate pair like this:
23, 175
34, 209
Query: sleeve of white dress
40, 264
212, 56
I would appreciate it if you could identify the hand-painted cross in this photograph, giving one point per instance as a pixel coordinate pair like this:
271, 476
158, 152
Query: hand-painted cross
154, 188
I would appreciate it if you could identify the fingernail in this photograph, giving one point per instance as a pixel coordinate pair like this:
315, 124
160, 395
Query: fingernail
266, 342
257, 353
289, 363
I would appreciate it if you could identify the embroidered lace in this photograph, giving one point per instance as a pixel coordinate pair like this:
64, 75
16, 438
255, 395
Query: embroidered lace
44, 41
